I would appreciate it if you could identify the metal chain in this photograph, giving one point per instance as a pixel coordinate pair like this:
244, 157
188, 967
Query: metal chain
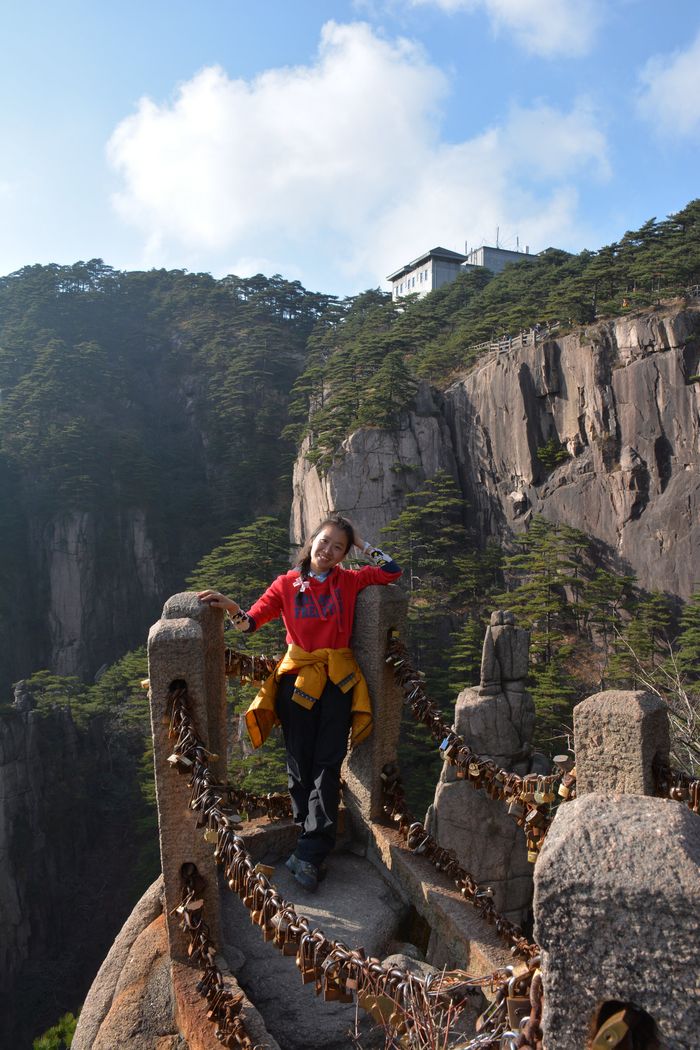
224, 1004
512, 1021
418, 840
249, 668
252, 670
275, 805
675, 784
338, 972
529, 798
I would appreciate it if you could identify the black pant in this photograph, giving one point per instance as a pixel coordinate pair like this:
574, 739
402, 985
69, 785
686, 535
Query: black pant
316, 741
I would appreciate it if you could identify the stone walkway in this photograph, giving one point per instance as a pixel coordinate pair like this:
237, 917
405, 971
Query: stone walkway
353, 905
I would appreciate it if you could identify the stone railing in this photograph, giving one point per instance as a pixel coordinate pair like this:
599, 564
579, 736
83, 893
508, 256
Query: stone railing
617, 889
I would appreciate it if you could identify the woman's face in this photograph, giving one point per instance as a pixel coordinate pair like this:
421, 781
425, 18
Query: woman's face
329, 548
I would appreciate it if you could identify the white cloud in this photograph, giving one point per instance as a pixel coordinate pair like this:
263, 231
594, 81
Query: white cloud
670, 95
508, 177
335, 172
297, 146
543, 27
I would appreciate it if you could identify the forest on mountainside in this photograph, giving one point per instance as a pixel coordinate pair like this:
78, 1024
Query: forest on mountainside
140, 422
156, 398
86, 353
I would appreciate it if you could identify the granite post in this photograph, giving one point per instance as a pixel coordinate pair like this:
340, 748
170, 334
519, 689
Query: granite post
617, 736
186, 645
617, 886
617, 915
379, 611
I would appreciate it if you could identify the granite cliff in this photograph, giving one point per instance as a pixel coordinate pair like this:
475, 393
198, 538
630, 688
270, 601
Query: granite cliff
68, 811
621, 397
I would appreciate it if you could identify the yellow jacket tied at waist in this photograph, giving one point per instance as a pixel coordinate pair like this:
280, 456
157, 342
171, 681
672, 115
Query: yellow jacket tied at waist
313, 671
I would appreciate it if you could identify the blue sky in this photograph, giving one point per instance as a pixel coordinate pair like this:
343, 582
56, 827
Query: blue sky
333, 141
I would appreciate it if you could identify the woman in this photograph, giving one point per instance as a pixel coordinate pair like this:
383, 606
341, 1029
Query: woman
317, 691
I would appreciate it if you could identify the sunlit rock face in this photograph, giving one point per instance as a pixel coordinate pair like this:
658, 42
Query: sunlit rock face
619, 399
374, 470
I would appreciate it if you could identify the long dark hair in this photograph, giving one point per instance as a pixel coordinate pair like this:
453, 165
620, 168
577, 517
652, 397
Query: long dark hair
303, 562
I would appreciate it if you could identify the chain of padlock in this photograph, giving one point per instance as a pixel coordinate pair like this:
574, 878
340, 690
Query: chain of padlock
248, 667
677, 785
420, 841
395, 997
529, 798
224, 1004
512, 1021
275, 805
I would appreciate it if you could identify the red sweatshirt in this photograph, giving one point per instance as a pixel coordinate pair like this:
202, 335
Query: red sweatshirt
325, 616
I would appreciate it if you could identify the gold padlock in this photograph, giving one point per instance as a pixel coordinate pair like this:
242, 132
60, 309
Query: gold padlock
518, 1008
611, 1032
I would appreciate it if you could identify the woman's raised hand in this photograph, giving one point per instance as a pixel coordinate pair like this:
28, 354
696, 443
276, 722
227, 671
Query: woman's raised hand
219, 601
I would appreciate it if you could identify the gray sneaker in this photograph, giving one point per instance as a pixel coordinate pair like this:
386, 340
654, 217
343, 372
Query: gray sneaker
305, 873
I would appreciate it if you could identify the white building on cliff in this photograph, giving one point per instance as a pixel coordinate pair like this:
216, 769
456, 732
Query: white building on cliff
440, 266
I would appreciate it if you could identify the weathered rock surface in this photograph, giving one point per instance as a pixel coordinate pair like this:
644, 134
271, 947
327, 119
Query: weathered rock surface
485, 838
130, 1002
57, 846
96, 580
141, 1000
619, 396
374, 470
619, 877
505, 654
619, 736
497, 720
134, 1002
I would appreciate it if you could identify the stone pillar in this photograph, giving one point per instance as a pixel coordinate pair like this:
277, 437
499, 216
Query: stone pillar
617, 915
617, 736
378, 611
186, 644
504, 656
497, 720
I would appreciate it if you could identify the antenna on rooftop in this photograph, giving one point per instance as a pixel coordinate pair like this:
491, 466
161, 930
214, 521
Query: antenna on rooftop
498, 230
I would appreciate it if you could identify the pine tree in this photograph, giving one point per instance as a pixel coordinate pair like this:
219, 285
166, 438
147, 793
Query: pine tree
554, 694
607, 599
59, 1036
642, 645
465, 654
242, 568
542, 574
688, 641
